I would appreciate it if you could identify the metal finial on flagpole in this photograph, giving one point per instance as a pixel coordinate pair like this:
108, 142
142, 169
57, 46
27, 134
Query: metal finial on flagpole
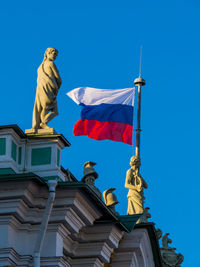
139, 82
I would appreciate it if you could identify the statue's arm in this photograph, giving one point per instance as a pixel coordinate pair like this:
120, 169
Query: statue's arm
128, 183
145, 185
56, 74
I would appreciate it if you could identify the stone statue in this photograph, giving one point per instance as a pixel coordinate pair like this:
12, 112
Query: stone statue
146, 215
110, 199
158, 233
135, 183
90, 175
169, 257
89, 171
48, 84
166, 241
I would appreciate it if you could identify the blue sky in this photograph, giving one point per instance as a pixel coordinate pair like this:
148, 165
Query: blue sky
99, 43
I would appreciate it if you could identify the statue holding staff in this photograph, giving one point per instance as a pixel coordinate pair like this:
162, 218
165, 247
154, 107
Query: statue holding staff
135, 183
48, 84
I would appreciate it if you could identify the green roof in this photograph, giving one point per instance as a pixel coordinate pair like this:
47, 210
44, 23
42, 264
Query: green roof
22, 176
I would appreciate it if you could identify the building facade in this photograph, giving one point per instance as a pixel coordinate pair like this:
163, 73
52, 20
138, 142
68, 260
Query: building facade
80, 229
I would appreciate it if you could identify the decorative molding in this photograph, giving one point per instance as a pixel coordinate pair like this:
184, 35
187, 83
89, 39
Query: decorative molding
135, 247
88, 262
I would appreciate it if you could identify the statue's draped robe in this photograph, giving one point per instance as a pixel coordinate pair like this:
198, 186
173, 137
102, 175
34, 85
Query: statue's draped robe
135, 196
135, 202
45, 100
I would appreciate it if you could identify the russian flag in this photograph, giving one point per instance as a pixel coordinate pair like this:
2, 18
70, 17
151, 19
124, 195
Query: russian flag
106, 114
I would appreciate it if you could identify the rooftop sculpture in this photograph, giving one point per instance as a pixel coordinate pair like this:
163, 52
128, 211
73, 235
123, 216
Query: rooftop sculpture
169, 257
110, 199
48, 84
135, 183
90, 175
146, 215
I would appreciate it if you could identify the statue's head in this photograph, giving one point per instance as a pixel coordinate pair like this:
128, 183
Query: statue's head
135, 161
168, 239
51, 53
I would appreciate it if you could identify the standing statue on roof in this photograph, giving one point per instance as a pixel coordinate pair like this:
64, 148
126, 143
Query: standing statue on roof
135, 183
48, 84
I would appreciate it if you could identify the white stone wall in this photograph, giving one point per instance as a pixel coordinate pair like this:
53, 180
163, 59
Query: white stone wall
72, 238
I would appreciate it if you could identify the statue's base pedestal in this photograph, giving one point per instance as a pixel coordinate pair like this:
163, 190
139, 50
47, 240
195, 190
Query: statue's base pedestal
40, 131
38, 153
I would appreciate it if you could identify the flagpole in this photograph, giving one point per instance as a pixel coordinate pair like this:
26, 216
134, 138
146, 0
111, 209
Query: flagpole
139, 82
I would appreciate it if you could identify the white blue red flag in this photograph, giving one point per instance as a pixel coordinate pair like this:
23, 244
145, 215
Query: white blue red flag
106, 114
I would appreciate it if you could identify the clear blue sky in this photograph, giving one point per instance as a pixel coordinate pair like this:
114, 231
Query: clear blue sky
98, 43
